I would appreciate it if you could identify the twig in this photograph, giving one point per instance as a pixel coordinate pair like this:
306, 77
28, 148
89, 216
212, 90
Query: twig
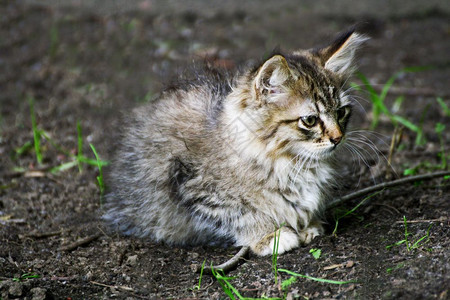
385, 185
395, 141
335, 266
15, 221
80, 242
228, 265
117, 287
40, 235
441, 219
32, 172
389, 206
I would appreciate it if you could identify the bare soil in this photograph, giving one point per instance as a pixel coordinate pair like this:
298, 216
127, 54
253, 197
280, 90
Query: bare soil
91, 63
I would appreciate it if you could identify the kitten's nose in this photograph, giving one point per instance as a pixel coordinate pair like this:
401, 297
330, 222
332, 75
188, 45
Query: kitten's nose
336, 139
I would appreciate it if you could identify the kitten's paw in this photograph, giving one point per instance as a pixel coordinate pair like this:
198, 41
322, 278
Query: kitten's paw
310, 232
288, 240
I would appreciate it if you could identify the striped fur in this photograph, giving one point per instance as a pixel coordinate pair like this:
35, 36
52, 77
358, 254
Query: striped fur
226, 160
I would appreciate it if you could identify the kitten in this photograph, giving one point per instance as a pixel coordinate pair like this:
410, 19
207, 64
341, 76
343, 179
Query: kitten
235, 160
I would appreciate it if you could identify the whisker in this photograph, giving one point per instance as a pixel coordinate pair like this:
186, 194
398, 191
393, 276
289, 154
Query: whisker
358, 137
361, 158
358, 150
354, 155
375, 134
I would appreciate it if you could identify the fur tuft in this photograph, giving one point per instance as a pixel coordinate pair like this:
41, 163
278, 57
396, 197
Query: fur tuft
340, 55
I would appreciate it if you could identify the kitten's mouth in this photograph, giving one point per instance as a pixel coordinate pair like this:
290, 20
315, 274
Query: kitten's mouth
316, 154
327, 151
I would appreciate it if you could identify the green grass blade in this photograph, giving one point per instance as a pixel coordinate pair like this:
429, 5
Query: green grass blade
316, 279
223, 281
63, 167
406, 123
377, 102
80, 146
37, 134
101, 184
397, 103
395, 244
444, 106
415, 69
275, 254
198, 286
439, 129
367, 84
54, 144
426, 236
406, 233
93, 162
353, 210
355, 86
288, 282
25, 148
416, 243
387, 86
316, 253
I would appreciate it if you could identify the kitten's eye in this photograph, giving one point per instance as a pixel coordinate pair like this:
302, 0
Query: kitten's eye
309, 121
342, 112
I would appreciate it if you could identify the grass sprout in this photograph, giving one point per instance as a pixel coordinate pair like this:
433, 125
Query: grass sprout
379, 107
198, 286
226, 285
101, 184
25, 276
146, 98
351, 211
37, 133
439, 129
399, 266
444, 106
77, 160
316, 253
23, 149
285, 284
80, 146
409, 244
315, 278
276, 245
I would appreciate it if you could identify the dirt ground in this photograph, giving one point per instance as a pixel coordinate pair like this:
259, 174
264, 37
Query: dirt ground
77, 62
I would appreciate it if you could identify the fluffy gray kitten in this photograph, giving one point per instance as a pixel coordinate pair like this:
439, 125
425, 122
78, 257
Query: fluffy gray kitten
236, 159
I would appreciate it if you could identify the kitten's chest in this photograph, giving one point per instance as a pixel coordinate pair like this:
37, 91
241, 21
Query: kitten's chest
305, 187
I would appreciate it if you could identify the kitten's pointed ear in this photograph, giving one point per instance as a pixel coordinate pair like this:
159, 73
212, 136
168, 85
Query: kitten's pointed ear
271, 77
338, 57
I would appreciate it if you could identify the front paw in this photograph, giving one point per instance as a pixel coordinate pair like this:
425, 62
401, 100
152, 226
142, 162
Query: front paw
288, 240
309, 233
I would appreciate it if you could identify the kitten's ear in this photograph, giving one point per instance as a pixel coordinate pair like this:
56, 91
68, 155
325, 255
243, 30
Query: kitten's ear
338, 57
272, 77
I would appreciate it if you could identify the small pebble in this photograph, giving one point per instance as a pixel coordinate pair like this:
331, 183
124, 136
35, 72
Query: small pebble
15, 289
39, 293
132, 260
350, 264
